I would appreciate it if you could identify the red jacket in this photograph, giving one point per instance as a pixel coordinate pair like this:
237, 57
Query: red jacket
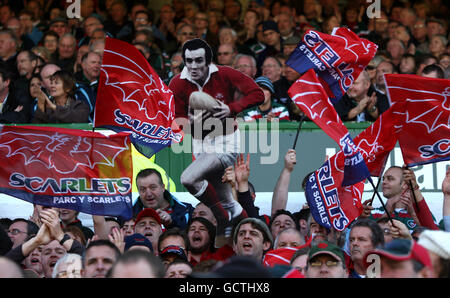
224, 83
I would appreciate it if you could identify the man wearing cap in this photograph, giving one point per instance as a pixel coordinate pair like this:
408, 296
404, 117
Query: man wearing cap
214, 148
138, 241
60, 26
272, 41
268, 109
148, 223
252, 238
153, 194
400, 258
326, 260
438, 245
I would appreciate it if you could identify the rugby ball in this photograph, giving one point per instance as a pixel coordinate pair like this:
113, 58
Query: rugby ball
199, 100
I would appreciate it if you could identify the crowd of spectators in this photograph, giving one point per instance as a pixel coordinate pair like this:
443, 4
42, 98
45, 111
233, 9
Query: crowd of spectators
255, 37
49, 72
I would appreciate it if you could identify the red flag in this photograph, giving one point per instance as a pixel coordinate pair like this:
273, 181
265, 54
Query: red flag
338, 58
425, 117
377, 141
309, 95
67, 168
132, 97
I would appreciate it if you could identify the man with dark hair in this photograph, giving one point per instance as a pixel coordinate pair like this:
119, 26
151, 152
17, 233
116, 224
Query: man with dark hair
433, 71
98, 258
282, 219
214, 149
252, 238
21, 230
137, 264
365, 234
14, 107
152, 194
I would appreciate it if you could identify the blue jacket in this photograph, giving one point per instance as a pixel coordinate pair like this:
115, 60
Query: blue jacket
181, 212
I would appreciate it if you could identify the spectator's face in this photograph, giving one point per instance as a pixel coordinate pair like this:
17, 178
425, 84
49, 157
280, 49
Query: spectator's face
150, 228
445, 61
289, 239
392, 182
173, 240
139, 269
7, 46
60, 28
391, 29
26, 21
186, 33
66, 47
67, 215
401, 34
383, 68
381, 24
195, 62
271, 37
118, 13
201, 20
397, 269
250, 242
250, 20
33, 261
98, 261
436, 46
386, 231
309, 7
51, 253
5, 14
92, 66
232, 10
300, 263
318, 232
18, 233
151, 191
167, 14
87, 8
24, 64
128, 228
226, 36
325, 266
35, 85
57, 87
285, 25
198, 237
201, 210
244, 65
360, 242
434, 28
90, 25
141, 20
225, 54
359, 88
407, 65
46, 73
51, 43
290, 74
419, 30
280, 223
178, 270
271, 69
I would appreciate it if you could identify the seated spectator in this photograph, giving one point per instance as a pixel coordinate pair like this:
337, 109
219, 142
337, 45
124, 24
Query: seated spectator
63, 108
424, 61
269, 109
15, 106
245, 64
361, 102
87, 80
225, 54
437, 45
384, 67
407, 64
300, 259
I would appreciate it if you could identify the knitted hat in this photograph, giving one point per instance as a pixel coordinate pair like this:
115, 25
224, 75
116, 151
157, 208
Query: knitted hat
265, 82
137, 239
258, 224
437, 242
270, 25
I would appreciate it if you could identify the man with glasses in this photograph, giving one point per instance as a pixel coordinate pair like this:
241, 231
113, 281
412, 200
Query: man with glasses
326, 260
226, 54
21, 230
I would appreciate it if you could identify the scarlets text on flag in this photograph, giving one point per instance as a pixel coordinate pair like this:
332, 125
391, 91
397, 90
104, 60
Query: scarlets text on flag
308, 94
338, 58
425, 112
67, 168
331, 205
132, 97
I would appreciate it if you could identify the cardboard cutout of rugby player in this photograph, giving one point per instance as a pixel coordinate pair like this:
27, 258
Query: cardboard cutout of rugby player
205, 95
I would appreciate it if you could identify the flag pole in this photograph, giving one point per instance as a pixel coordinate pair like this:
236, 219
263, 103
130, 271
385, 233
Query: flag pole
413, 193
381, 201
298, 131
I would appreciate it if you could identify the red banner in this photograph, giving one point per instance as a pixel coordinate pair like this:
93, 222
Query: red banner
132, 97
424, 115
67, 168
